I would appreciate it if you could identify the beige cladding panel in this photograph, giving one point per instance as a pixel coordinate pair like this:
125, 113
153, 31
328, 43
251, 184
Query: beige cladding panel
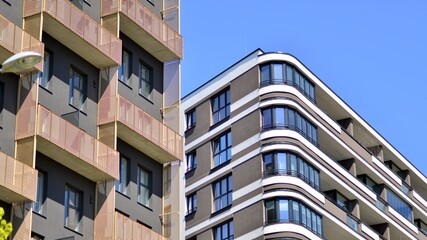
247, 173
203, 116
245, 221
245, 128
204, 208
244, 84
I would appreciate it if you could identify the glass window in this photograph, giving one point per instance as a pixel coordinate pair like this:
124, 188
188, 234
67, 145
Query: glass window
399, 205
38, 204
265, 74
123, 181
125, 68
78, 86
191, 119
267, 118
73, 208
144, 187
224, 231
222, 149
278, 73
191, 161
223, 193
145, 81
283, 210
191, 203
220, 106
47, 69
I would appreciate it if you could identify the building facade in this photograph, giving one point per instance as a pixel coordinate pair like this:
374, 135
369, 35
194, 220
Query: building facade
273, 153
89, 141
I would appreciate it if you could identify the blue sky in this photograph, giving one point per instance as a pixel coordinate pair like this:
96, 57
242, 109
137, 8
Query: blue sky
371, 53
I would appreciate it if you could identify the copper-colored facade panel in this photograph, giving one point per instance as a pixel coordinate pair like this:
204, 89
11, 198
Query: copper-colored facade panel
126, 229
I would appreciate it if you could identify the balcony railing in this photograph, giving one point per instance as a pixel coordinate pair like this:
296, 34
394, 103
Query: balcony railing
75, 141
158, 134
15, 40
147, 21
81, 24
128, 229
283, 126
288, 172
17, 177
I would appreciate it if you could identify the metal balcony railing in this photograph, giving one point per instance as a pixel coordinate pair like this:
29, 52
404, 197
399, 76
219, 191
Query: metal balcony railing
15, 40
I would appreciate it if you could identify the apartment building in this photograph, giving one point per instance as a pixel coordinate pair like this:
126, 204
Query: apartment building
89, 140
273, 153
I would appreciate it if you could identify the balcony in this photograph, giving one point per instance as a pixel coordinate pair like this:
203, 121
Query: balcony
143, 27
77, 31
17, 180
15, 40
140, 130
128, 229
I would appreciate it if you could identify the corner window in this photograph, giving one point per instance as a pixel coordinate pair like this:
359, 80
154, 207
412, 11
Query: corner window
73, 208
191, 203
222, 149
145, 81
191, 119
122, 182
144, 187
223, 190
224, 231
191, 161
38, 204
125, 69
78, 89
47, 70
220, 106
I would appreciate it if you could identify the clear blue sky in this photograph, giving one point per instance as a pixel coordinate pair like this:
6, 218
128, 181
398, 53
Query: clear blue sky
373, 54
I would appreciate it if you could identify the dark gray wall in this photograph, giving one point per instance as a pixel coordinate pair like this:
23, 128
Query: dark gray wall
154, 5
12, 10
51, 224
128, 204
8, 113
131, 92
56, 97
90, 7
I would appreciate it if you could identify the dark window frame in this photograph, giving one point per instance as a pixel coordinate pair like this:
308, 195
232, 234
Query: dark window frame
191, 203
223, 193
39, 206
46, 77
147, 80
191, 159
148, 186
122, 184
191, 119
121, 73
218, 230
82, 90
217, 107
218, 149
78, 209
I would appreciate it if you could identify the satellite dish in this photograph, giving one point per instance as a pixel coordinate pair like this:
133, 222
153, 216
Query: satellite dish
21, 62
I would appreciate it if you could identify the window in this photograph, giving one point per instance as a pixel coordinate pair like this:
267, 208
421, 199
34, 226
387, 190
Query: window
47, 70
77, 94
224, 231
288, 210
191, 119
283, 73
223, 193
122, 182
73, 208
283, 163
1, 101
145, 81
222, 149
422, 226
191, 161
370, 184
191, 203
283, 117
38, 204
339, 199
399, 205
125, 68
144, 187
220, 106
393, 167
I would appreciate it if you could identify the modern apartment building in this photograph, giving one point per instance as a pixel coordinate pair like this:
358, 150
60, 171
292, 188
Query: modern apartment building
273, 153
89, 141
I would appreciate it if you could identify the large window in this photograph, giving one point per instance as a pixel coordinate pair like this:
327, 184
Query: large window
38, 204
144, 187
220, 106
284, 210
282, 117
145, 81
191, 203
283, 163
73, 208
78, 86
122, 182
191, 119
222, 149
191, 161
224, 231
399, 205
222, 191
283, 73
47, 69
125, 68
